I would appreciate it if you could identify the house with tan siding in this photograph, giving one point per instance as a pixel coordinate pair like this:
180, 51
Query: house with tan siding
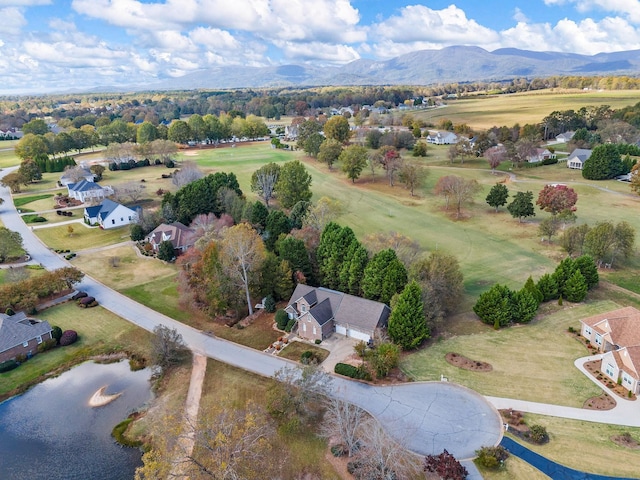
319, 312
616, 334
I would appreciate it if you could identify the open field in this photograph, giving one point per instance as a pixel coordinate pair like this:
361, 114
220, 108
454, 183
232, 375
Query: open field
483, 112
7, 156
532, 362
161, 295
83, 237
228, 385
597, 452
99, 331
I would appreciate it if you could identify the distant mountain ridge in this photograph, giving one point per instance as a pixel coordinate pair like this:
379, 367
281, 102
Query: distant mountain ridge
424, 67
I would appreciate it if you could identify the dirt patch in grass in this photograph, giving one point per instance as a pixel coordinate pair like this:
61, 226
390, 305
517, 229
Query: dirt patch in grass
626, 440
461, 361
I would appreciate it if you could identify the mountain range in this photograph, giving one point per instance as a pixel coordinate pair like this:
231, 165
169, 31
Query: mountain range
424, 67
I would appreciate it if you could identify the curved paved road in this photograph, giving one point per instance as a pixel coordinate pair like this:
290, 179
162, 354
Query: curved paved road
425, 417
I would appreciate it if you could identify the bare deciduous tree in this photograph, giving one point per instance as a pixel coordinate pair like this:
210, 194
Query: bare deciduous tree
342, 420
189, 172
407, 250
242, 253
324, 211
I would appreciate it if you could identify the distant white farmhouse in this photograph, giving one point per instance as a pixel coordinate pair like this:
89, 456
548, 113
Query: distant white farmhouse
73, 177
86, 191
439, 137
577, 158
110, 214
565, 137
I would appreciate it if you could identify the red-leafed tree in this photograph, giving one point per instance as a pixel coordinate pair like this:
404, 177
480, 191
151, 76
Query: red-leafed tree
445, 466
495, 156
557, 198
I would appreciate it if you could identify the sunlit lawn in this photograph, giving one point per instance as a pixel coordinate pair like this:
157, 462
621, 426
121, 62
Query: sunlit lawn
83, 237
587, 446
531, 107
7, 155
530, 362
294, 350
99, 331
161, 295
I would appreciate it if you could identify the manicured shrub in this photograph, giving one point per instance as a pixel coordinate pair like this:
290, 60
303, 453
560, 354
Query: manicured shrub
492, 457
307, 357
318, 341
9, 312
290, 325
21, 358
269, 304
8, 365
538, 434
68, 337
282, 319
351, 371
47, 345
56, 333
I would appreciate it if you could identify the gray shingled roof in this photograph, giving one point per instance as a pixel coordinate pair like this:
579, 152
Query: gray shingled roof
322, 312
348, 310
17, 329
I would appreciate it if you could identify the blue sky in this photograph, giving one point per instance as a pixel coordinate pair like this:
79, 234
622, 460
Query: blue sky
50, 45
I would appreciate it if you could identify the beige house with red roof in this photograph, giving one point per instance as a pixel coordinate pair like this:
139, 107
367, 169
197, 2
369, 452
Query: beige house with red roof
180, 236
616, 334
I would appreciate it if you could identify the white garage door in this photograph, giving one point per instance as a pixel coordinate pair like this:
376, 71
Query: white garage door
342, 330
359, 335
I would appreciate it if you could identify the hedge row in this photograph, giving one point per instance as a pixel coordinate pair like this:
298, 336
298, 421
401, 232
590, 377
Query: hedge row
351, 371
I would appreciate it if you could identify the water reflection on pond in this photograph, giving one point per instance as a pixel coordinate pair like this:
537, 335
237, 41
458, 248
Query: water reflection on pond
51, 432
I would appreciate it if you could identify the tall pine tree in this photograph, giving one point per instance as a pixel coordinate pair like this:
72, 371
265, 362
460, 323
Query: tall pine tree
407, 325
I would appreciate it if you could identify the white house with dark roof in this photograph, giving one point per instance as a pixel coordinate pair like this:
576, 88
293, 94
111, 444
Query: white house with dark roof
21, 335
578, 157
438, 137
72, 177
87, 191
110, 214
565, 137
616, 334
320, 312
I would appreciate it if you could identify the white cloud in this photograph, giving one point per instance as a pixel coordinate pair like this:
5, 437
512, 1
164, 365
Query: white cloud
316, 51
587, 37
519, 16
628, 8
417, 23
12, 21
24, 3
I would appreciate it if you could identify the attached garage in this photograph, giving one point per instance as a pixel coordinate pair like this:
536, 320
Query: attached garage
340, 329
357, 334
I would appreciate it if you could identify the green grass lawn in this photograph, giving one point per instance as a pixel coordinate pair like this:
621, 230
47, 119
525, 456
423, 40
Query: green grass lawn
294, 350
597, 452
483, 112
160, 295
99, 331
8, 157
19, 201
531, 362
82, 237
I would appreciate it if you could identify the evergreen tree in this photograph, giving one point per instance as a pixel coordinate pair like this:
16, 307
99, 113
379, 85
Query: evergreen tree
548, 287
603, 163
257, 214
294, 184
494, 307
524, 307
276, 278
384, 276
407, 325
588, 269
165, 251
534, 290
498, 195
358, 263
575, 289
563, 272
295, 252
277, 223
335, 244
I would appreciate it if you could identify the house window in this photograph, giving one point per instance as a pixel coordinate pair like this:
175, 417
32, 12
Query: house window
304, 327
598, 339
113, 221
25, 344
303, 307
39, 339
290, 316
587, 331
609, 370
626, 379
121, 219
314, 329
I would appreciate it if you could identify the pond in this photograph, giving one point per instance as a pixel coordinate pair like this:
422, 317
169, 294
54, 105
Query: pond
51, 432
